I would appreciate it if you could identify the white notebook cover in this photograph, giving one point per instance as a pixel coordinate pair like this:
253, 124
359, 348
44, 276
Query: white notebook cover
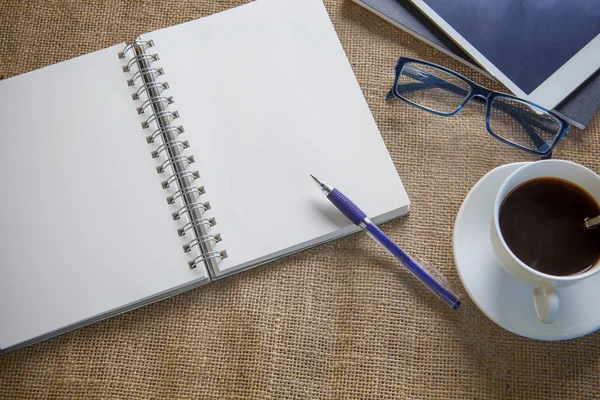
266, 96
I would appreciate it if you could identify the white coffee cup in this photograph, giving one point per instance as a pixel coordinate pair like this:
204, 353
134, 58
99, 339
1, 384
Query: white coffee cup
545, 288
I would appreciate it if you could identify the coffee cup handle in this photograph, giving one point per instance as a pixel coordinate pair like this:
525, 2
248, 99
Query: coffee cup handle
546, 303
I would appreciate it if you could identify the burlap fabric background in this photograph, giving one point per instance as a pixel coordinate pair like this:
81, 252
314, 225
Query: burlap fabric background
338, 321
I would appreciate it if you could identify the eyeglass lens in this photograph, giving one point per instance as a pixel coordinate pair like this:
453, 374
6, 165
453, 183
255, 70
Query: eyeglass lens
432, 88
523, 124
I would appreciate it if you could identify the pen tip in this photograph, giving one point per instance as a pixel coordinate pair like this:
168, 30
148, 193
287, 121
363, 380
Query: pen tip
325, 188
317, 180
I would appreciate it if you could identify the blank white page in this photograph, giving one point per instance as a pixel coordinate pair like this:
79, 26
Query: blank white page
84, 224
267, 96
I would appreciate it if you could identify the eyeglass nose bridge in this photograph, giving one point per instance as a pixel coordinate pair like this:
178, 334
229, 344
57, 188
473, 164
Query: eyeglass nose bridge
480, 93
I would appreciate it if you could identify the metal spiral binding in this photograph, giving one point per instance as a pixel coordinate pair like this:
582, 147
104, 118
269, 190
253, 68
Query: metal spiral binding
133, 60
175, 129
172, 150
149, 102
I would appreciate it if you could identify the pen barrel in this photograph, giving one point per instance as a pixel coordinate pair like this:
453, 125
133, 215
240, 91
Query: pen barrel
434, 283
346, 206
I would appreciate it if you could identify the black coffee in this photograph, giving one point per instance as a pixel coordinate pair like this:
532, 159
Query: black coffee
541, 221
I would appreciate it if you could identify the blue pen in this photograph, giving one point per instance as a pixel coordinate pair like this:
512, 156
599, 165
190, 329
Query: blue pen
350, 210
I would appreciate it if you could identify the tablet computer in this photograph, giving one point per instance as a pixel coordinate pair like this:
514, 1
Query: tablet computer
541, 50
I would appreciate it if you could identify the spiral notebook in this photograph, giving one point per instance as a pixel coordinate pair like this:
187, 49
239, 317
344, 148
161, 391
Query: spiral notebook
147, 169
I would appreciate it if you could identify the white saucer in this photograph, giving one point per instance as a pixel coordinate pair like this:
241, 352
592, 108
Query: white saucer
504, 299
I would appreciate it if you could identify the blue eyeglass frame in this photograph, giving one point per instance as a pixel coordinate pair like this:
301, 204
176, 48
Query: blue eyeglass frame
478, 93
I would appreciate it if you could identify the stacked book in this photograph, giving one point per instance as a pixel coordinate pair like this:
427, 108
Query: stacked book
475, 35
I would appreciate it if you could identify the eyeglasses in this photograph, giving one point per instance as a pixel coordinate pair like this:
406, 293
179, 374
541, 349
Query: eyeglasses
509, 119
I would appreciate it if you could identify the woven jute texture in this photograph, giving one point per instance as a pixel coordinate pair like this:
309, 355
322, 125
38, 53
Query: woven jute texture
339, 321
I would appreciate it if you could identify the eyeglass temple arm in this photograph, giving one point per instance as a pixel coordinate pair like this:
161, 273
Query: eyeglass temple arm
429, 81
